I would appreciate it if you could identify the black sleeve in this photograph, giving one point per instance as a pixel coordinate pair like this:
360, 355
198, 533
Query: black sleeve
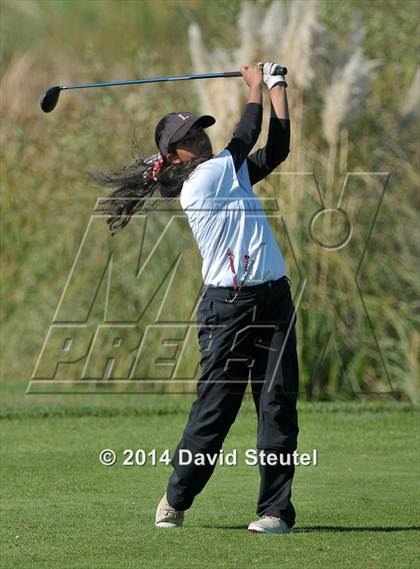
246, 133
265, 160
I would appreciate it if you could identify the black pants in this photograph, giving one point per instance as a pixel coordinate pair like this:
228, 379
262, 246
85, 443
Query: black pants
254, 334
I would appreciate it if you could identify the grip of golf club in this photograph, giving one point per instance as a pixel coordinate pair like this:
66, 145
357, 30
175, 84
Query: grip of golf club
279, 70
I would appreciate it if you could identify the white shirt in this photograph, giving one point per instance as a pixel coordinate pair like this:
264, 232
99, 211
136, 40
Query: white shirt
224, 213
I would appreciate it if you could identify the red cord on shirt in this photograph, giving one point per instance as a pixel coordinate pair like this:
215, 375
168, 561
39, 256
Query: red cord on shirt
232, 268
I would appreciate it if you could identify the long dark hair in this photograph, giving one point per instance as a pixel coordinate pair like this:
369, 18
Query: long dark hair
135, 183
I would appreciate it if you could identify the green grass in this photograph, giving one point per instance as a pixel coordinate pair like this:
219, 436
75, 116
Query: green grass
357, 508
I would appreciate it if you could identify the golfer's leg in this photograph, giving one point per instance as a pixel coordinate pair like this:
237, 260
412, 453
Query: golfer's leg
210, 419
220, 391
275, 399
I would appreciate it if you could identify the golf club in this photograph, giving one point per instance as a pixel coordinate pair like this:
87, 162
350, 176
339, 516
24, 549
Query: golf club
49, 99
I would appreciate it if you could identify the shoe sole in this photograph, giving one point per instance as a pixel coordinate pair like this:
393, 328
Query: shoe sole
167, 525
256, 529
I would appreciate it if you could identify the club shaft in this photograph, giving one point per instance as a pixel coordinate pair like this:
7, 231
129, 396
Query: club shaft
154, 80
49, 99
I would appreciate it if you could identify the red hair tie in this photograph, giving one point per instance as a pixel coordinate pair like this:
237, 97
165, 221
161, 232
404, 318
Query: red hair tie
157, 167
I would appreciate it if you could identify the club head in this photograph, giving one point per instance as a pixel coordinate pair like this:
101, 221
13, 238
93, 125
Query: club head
49, 99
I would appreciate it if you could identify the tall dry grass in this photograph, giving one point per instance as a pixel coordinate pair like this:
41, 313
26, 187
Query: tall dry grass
47, 201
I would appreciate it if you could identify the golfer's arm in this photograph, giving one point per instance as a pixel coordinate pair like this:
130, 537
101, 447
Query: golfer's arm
262, 162
279, 105
255, 94
248, 129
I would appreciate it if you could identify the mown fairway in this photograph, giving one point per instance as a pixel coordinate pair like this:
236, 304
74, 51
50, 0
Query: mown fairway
61, 508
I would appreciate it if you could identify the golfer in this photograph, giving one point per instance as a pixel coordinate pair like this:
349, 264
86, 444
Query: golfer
246, 317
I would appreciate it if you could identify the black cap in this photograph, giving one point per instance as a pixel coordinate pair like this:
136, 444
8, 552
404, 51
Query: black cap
176, 126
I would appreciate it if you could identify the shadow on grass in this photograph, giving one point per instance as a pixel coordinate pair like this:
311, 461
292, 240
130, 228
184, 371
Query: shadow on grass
308, 529
331, 529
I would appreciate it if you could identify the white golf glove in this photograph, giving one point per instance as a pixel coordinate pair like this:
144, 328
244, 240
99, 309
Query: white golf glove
269, 79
